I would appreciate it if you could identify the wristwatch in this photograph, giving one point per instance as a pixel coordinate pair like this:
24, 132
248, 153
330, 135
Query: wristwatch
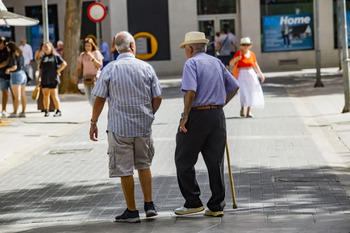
183, 116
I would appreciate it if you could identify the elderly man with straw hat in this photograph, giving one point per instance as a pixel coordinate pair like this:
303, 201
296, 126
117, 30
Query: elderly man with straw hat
207, 87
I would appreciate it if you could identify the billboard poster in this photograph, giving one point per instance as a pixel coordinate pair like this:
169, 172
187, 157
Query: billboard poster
6, 32
36, 35
287, 32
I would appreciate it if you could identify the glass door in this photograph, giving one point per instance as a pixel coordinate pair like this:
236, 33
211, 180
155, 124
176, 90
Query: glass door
207, 26
213, 24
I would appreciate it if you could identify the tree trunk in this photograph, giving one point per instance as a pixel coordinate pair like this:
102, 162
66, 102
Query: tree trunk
71, 46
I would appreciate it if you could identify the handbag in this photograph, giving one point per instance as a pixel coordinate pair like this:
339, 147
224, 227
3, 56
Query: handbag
89, 80
235, 71
36, 92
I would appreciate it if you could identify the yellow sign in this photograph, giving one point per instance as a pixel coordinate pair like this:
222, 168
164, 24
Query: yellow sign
146, 45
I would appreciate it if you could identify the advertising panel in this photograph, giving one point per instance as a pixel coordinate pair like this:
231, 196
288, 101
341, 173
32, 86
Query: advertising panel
36, 35
287, 32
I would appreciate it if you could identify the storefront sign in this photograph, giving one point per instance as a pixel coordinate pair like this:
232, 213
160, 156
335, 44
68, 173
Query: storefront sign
287, 32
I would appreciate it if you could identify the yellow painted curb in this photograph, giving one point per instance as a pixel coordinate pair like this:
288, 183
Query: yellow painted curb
4, 123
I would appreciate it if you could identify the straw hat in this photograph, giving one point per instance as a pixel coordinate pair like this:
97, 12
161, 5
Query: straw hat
246, 40
194, 38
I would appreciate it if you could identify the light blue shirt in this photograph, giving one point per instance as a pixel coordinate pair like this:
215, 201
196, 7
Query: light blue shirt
129, 85
105, 51
208, 77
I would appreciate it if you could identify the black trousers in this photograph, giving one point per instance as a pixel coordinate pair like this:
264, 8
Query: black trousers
206, 134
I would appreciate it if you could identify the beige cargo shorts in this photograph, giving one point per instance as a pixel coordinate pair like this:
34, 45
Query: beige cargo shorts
127, 153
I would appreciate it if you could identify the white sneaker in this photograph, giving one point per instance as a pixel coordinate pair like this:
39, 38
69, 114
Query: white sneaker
4, 114
183, 210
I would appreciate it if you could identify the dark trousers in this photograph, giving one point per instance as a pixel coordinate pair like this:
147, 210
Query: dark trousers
206, 134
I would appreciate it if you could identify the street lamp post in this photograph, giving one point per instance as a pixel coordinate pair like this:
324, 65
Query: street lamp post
318, 50
345, 57
45, 21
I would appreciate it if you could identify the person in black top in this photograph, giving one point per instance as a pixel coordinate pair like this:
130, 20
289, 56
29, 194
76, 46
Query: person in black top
18, 78
50, 69
4, 78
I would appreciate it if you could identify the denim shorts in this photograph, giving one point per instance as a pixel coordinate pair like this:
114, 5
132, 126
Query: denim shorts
18, 78
4, 84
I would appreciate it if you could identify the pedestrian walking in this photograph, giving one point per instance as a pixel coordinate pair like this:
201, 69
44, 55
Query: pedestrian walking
89, 64
234, 41
207, 87
105, 53
18, 78
113, 50
59, 48
134, 96
224, 46
50, 69
28, 57
250, 92
4, 78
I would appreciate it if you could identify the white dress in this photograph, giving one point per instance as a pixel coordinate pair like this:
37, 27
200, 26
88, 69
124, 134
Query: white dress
250, 92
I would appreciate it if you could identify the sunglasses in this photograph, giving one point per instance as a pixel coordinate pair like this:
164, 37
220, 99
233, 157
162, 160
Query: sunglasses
245, 44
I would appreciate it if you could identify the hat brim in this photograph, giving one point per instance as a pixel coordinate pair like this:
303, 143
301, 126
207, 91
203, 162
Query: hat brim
201, 41
246, 42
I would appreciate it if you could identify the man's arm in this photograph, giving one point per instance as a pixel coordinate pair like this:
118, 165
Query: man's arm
96, 111
189, 98
4, 63
156, 103
229, 96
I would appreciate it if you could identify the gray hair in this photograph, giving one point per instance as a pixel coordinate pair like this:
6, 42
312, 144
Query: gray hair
123, 40
199, 47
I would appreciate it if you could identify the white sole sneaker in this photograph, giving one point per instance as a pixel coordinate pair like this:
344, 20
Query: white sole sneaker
183, 210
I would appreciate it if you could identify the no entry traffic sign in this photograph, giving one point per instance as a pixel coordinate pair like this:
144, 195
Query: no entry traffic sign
96, 12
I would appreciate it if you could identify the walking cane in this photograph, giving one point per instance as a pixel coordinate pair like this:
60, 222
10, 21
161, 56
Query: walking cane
231, 179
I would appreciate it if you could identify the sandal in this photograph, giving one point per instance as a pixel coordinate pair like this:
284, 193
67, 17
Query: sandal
241, 113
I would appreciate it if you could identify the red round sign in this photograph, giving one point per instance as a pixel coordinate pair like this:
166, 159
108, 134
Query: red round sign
96, 12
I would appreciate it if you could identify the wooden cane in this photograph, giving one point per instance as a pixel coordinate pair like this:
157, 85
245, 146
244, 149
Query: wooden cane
231, 178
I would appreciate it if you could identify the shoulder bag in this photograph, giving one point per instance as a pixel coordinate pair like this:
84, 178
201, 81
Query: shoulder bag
235, 71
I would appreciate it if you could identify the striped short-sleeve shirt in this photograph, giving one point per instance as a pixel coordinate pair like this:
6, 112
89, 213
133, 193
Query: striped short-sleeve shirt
129, 85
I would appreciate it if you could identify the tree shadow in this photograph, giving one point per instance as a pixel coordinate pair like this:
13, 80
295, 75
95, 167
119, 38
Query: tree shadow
258, 190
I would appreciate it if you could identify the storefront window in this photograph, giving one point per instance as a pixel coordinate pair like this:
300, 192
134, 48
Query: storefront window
210, 7
8, 32
337, 22
287, 25
35, 33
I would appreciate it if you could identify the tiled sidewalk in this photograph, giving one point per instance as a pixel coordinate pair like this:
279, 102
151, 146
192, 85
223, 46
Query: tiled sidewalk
278, 170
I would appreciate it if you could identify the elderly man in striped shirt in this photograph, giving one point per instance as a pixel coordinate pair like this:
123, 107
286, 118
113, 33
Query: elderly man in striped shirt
134, 95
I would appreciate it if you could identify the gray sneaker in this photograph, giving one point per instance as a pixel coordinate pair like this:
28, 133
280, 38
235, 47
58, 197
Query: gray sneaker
22, 115
13, 115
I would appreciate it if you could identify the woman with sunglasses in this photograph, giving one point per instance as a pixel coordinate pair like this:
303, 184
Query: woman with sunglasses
89, 64
250, 92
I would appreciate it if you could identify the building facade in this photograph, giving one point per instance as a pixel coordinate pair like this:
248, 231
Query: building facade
282, 31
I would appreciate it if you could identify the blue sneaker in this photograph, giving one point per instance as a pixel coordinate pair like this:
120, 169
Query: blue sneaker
150, 209
128, 216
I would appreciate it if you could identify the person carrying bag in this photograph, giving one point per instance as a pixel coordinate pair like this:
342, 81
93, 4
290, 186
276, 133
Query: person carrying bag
89, 64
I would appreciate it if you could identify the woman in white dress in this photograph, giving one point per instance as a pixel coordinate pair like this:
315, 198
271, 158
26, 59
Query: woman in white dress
250, 92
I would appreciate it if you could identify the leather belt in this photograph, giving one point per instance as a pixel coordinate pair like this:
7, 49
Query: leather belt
206, 107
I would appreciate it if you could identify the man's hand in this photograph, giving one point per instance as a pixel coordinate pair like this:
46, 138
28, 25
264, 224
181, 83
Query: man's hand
93, 132
183, 122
